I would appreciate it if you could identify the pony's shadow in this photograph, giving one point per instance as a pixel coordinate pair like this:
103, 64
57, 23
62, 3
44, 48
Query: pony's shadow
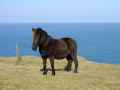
49, 69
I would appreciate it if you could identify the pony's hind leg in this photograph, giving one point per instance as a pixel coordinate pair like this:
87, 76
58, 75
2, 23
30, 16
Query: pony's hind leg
76, 64
75, 60
69, 63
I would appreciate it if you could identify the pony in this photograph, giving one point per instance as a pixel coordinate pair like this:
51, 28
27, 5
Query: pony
52, 48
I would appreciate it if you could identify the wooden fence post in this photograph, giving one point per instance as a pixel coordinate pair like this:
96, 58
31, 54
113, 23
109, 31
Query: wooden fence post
18, 53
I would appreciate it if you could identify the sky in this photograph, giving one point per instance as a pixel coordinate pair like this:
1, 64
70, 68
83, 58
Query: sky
12, 11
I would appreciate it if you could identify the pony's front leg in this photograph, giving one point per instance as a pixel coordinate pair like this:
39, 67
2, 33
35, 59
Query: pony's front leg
52, 65
44, 66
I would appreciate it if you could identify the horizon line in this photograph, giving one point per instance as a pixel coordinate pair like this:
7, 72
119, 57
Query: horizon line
52, 22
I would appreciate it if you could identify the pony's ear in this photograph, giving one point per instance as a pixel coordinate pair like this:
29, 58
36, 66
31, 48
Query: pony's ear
33, 29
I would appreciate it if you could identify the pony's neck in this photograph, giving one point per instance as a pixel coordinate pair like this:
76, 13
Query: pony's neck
46, 43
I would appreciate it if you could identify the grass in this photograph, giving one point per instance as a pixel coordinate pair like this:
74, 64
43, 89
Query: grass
25, 75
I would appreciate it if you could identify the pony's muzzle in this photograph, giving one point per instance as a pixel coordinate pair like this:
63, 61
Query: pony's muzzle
34, 48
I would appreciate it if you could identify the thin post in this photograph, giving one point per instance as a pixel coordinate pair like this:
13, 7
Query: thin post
18, 53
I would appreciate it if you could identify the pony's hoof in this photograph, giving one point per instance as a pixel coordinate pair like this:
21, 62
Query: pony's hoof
75, 71
53, 73
67, 69
44, 73
41, 69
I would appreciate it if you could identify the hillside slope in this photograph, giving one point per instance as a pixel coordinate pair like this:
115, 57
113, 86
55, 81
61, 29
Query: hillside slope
25, 75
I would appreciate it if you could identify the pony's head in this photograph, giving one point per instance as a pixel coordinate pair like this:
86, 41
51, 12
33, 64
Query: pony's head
38, 37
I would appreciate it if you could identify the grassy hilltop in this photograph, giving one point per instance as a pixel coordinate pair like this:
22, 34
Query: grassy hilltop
25, 75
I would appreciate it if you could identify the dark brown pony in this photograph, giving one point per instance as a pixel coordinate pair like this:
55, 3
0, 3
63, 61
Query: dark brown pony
52, 48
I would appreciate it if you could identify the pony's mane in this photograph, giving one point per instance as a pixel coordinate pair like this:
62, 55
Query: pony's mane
41, 30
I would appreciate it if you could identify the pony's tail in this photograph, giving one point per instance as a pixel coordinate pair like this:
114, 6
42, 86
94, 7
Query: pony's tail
71, 44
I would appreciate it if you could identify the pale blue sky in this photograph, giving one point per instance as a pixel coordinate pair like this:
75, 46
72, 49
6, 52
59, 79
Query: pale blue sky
59, 11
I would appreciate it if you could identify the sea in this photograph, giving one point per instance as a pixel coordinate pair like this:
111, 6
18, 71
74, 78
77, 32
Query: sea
98, 42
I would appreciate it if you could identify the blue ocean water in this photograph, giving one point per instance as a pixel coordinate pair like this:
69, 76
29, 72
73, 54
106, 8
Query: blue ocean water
99, 42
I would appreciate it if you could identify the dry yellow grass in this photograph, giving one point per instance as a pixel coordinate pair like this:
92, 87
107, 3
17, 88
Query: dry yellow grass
25, 75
